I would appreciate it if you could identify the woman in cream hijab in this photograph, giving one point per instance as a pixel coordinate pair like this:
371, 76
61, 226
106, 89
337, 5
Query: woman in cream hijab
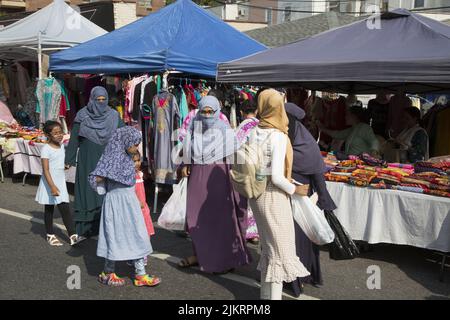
273, 213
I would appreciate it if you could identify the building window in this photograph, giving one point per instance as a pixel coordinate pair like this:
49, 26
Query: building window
419, 3
269, 16
287, 13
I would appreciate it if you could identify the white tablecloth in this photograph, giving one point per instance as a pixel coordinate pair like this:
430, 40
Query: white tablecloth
391, 216
27, 158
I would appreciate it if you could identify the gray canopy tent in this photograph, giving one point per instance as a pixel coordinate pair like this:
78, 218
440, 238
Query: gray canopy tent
408, 52
53, 28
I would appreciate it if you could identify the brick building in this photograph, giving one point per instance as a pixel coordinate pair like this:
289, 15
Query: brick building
108, 14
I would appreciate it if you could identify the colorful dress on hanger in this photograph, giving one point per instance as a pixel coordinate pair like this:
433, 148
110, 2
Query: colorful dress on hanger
48, 93
165, 118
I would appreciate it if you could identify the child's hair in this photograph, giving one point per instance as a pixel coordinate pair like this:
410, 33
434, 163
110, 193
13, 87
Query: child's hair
248, 107
49, 125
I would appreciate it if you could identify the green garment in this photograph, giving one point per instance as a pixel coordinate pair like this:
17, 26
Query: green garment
358, 139
88, 204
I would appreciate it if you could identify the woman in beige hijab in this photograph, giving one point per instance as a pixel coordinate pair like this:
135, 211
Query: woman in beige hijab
273, 213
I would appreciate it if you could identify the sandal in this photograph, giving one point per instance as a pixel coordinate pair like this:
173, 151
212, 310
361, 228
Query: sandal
53, 240
76, 239
188, 262
146, 281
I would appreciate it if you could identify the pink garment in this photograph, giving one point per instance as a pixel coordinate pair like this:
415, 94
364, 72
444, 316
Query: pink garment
5, 114
191, 115
140, 192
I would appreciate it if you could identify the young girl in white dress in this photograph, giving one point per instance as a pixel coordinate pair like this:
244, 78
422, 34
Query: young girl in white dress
52, 188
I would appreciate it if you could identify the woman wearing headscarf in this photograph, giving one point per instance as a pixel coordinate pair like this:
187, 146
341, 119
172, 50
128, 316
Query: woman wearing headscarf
272, 210
92, 129
216, 215
308, 168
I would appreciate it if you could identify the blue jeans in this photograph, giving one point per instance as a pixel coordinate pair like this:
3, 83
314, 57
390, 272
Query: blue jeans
139, 266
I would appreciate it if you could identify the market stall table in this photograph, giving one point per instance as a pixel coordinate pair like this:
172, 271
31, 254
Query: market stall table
392, 216
27, 158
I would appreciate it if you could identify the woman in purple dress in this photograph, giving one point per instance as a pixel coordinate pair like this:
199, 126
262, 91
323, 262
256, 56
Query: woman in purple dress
216, 216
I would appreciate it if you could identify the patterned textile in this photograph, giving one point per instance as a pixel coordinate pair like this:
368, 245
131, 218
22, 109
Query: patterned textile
252, 229
115, 163
336, 178
416, 181
48, 93
358, 182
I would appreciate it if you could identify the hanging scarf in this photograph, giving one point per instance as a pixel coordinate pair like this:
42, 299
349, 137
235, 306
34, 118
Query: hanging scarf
209, 139
97, 120
115, 163
272, 115
184, 109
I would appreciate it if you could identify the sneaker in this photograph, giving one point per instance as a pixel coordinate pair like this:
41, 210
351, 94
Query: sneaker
111, 279
146, 281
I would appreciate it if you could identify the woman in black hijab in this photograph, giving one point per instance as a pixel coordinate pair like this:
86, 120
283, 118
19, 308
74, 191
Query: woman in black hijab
308, 168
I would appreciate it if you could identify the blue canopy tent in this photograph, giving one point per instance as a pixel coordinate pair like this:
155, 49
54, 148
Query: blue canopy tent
182, 37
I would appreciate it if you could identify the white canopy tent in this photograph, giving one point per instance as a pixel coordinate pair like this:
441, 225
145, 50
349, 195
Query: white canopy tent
55, 27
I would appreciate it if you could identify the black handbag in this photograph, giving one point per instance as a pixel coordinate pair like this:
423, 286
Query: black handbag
343, 247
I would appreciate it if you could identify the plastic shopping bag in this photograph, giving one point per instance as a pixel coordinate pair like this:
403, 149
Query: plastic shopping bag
342, 247
173, 215
311, 220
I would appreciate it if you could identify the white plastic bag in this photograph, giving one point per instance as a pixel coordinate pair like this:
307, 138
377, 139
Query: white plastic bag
173, 215
311, 220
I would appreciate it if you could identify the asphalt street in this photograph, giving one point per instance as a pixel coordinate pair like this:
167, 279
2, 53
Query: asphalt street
31, 269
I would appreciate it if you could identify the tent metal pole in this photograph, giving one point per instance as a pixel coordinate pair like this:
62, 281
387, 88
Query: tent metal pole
40, 55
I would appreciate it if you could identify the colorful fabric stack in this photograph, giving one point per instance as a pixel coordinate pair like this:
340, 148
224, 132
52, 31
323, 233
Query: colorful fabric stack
366, 171
362, 178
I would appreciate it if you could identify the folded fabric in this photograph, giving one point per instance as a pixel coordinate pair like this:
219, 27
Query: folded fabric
336, 178
358, 182
440, 187
344, 169
438, 193
372, 161
401, 165
428, 174
415, 181
388, 178
391, 173
413, 185
409, 189
441, 181
442, 165
419, 169
378, 185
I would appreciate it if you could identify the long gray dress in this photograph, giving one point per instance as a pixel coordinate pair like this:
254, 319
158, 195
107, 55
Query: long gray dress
123, 235
165, 117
